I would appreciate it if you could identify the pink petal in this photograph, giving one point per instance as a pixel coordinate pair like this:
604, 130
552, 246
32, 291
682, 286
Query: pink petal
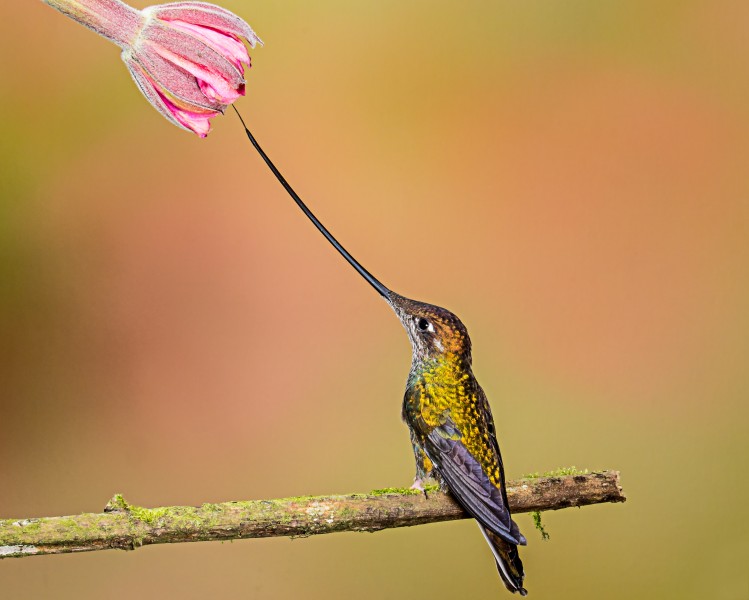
213, 85
197, 122
178, 83
145, 85
196, 57
207, 15
200, 123
227, 45
211, 93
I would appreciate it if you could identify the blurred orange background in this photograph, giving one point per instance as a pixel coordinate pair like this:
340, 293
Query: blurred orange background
569, 178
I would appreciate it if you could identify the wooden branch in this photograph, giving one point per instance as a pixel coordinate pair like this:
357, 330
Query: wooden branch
128, 527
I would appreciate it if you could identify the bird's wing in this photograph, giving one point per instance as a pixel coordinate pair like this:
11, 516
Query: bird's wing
467, 481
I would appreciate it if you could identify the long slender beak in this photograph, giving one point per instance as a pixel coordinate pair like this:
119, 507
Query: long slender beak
371, 279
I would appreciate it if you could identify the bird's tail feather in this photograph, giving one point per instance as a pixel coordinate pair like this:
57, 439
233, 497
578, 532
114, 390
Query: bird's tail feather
509, 565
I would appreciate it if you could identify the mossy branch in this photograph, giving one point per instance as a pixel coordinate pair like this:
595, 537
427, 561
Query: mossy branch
127, 527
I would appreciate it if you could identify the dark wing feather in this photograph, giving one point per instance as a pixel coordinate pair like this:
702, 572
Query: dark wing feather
486, 411
468, 483
483, 403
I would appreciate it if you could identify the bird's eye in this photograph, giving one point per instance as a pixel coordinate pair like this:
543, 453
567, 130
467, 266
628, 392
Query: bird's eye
423, 324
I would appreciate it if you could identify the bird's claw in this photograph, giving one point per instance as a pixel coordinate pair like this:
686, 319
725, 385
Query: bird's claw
418, 484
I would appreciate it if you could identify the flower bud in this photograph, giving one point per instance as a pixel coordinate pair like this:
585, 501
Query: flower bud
187, 58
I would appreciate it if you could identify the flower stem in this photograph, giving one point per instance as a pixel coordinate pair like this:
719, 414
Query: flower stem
111, 19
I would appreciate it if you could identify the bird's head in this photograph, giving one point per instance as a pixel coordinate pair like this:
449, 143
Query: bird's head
433, 331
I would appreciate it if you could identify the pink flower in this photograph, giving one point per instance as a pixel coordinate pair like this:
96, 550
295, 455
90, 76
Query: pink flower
187, 58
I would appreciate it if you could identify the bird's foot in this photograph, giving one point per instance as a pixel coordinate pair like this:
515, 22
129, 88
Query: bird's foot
419, 485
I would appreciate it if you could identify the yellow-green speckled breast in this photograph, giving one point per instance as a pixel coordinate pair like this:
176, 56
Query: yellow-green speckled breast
443, 389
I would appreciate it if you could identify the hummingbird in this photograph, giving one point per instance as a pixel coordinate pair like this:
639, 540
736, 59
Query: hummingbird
448, 415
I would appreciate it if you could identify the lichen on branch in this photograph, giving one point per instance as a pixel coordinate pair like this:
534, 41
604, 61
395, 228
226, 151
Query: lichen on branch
126, 527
